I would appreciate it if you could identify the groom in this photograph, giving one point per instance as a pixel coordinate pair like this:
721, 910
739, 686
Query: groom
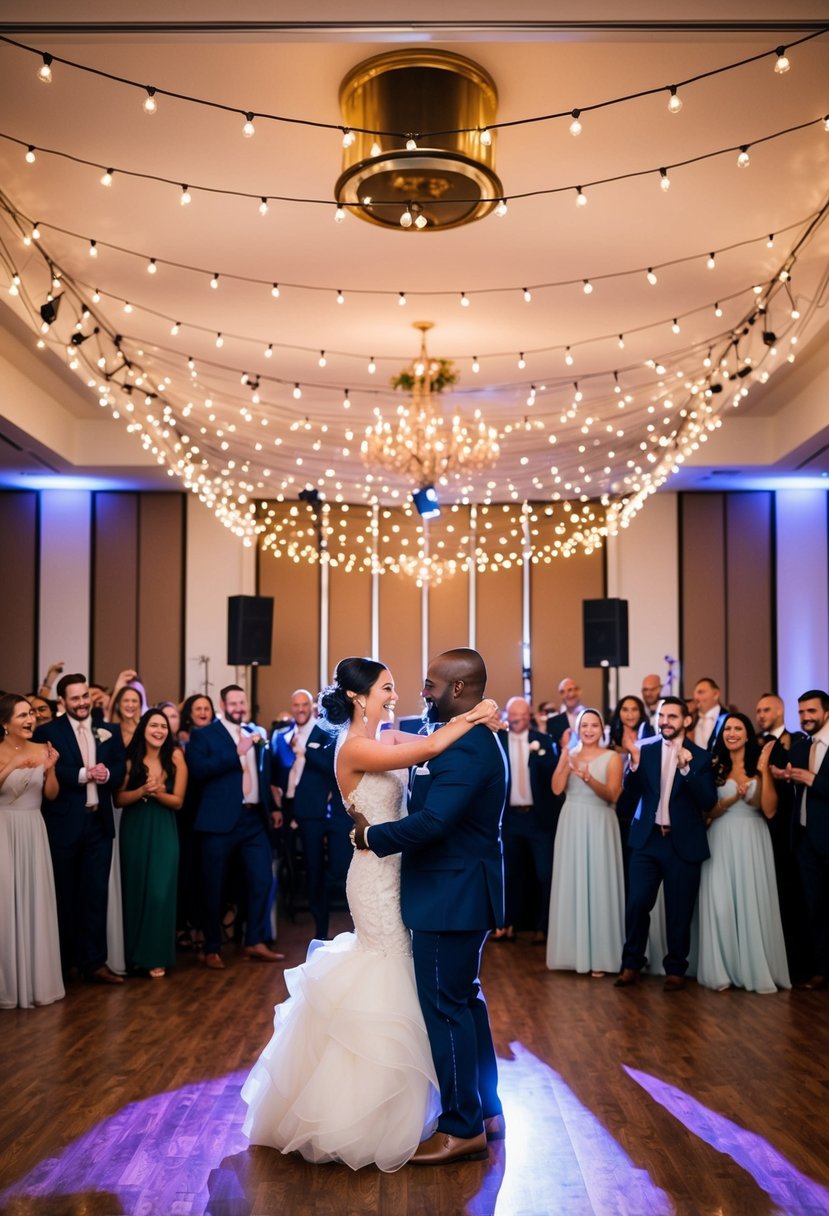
451, 895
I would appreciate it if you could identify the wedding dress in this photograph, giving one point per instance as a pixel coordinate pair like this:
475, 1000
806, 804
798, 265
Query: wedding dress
348, 1074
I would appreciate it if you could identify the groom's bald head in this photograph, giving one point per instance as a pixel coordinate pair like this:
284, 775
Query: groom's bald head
455, 682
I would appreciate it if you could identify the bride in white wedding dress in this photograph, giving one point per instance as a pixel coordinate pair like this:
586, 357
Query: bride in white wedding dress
348, 1075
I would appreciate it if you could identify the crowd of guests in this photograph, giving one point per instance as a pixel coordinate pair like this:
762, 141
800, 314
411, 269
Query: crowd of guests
679, 837
682, 837
128, 832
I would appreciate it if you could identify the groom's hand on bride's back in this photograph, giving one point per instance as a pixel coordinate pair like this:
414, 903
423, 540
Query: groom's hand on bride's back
358, 832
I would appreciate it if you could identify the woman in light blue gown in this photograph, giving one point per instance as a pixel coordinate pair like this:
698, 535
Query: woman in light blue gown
740, 933
587, 900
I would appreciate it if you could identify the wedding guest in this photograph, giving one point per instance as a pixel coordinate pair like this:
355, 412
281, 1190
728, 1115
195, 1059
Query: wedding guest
529, 823
173, 715
571, 707
629, 725
79, 822
126, 706
151, 794
710, 713
126, 710
740, 932
42, 707
587, 904
651, 696
30, 972
196, 712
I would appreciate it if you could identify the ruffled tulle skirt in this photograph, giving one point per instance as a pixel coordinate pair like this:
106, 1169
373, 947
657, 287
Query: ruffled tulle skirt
348, 1074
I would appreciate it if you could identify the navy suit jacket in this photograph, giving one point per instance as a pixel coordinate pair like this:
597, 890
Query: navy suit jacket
65, 816
691, 798
816, 794
214, 763
316, 795
542, 763
452, 872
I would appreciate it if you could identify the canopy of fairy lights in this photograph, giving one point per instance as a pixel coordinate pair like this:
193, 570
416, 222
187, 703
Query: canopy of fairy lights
249, 386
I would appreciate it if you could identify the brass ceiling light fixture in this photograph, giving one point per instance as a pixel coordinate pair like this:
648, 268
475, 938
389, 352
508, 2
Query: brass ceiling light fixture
397, 178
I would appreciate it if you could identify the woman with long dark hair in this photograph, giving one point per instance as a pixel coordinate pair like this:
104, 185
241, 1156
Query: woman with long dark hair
152, 792
30, 971
740, 933
348, 1074
629, 725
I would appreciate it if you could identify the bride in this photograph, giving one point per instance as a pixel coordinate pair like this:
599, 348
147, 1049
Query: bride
348, 1075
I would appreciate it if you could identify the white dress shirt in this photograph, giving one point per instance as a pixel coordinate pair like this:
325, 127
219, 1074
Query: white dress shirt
248, 762
298, 743
520, 793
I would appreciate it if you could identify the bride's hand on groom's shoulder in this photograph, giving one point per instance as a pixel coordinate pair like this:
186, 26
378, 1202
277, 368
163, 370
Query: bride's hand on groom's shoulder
486, 713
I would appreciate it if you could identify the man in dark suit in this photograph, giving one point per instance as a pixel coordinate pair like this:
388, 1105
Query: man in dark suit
571, 707
711, 713
80, 826
231, 763
808, 771
530, 820
674, 782
305, 788
451, 895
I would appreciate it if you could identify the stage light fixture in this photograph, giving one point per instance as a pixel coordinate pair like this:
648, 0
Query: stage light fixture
426, 502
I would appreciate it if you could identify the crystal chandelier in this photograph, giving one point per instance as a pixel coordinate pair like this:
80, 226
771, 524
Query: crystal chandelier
423, 442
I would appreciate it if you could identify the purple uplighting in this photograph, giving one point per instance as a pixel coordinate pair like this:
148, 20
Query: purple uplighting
786, 1186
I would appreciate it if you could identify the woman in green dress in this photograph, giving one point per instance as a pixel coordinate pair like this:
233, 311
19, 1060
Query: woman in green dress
152, 792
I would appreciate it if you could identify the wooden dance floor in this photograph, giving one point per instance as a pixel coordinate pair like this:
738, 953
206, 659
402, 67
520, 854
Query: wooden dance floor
126, 1100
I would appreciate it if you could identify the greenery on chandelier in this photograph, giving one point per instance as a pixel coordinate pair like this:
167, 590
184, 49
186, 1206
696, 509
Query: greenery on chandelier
442, 375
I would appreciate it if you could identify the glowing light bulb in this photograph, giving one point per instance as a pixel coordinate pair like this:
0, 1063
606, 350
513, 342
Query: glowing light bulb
568, 357
346, 401
674, 101
575, 125
770, 241
152, 268
30, 155
781, 65
219, 341
214, 282
248, 130
476, 367
376, 149
464, 300
275, 291
401, 299
339, 215
651, 277
581, 197
186, 197
522, 362
717, 310
340, 298
528, 295
175, 328
45, 72
263, 206
501, 209
421, 221
664, 180
588, 287
675, 327
348, 137
406, 218
372, 366
106, 178
297, 393
621, 341
269, 351
93, 249
128, 307
150, 103
712, 262
743, 160
411, 144
322, 359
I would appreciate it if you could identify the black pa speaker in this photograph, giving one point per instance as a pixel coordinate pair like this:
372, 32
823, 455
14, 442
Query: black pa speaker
605, 633
249, 630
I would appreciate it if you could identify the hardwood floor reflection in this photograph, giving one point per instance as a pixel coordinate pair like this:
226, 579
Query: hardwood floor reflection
126, 1100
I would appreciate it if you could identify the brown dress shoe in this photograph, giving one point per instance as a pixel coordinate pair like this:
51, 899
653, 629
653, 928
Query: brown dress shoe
674, 983
625, 978
214, 962
104, 976
442, 1148
816, 984
261, 954
495, 1127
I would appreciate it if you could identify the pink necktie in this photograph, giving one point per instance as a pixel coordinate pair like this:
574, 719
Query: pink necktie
87, 746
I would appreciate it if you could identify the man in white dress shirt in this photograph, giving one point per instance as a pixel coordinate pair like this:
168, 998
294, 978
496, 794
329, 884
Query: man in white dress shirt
710, 713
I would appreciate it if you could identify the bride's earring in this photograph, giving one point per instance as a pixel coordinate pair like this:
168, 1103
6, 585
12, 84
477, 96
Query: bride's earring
362, 705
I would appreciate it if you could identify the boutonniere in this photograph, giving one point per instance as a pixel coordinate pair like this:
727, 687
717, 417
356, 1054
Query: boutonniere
100, 735
258, 741
535, 746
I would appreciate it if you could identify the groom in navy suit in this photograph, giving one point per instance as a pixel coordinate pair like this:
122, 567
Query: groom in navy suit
674, 782
80, 826
451, 896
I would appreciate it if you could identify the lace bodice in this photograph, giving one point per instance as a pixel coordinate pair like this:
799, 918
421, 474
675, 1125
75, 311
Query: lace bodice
373, 885
23, 789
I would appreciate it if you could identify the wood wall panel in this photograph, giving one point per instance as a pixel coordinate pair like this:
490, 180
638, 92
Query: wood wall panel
19, 610
114, 586
349, 623
557, 589
160, 641
750, 590
702, 589
296, 628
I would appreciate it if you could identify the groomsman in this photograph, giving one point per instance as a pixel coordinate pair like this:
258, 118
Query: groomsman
674, 782
571, 707
651, 696
808, 770
710, 713
530, 820
304, 786
80, 826
231, 763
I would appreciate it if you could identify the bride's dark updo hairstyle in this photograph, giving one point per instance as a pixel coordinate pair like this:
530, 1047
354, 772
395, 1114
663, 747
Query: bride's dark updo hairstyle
352, 675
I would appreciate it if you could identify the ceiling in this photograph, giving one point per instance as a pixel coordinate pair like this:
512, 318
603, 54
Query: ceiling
553, 445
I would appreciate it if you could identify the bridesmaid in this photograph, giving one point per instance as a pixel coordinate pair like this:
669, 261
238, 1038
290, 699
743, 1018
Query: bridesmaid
152, 792
30, 971
741, 935
587, 905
